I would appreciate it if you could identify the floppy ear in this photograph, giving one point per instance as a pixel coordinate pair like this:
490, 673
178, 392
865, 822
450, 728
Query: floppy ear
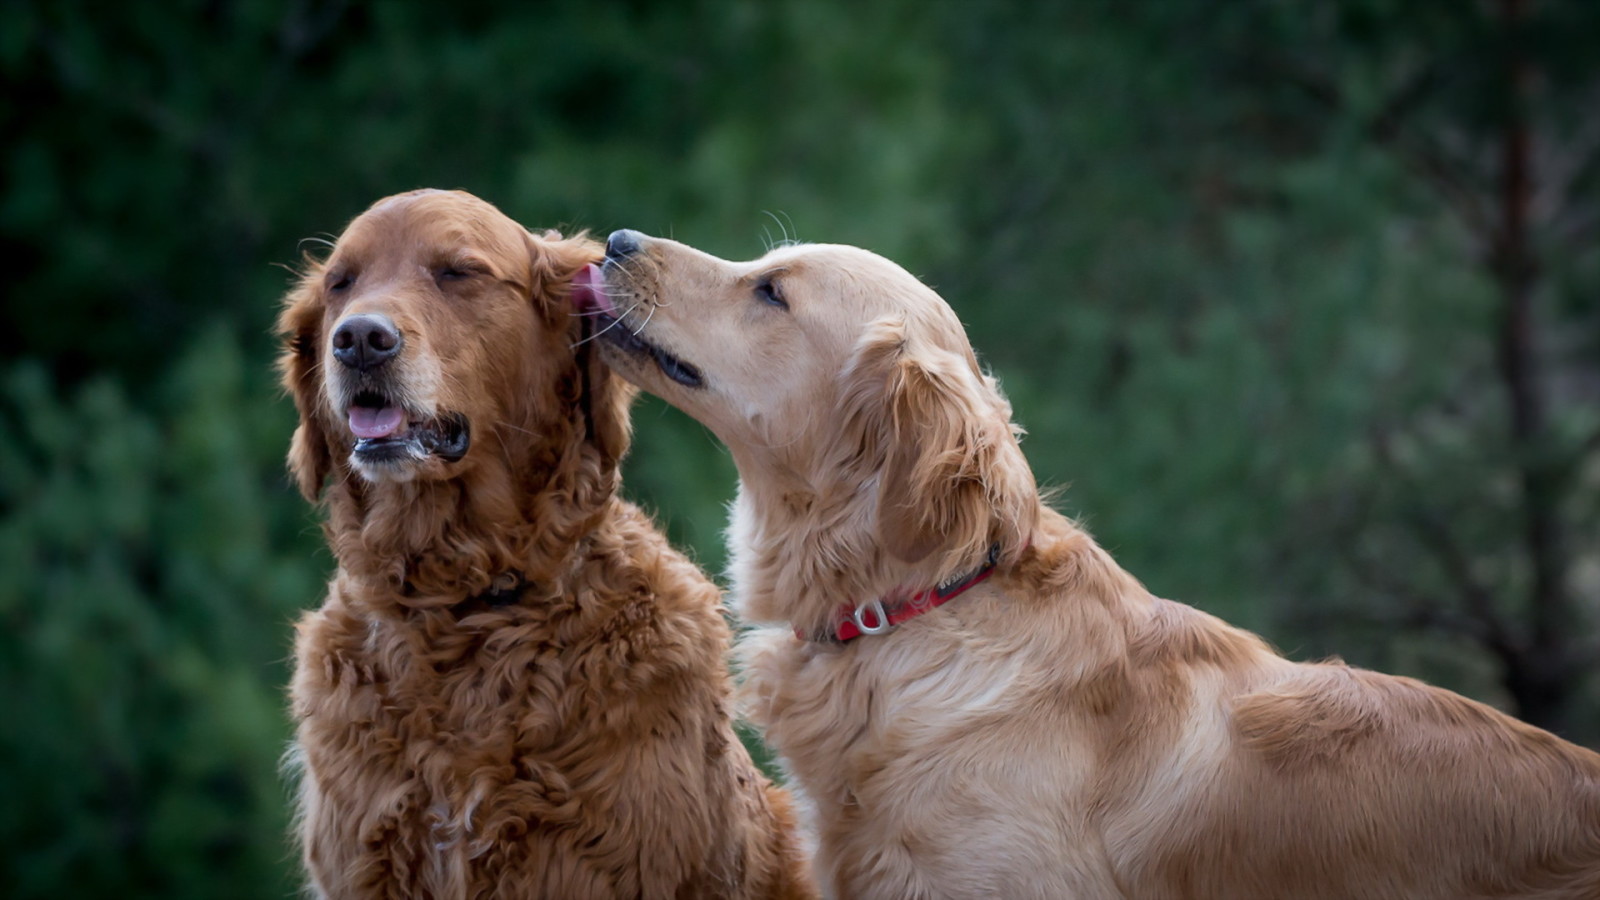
555, 259
953, 479
300, 326
606, 398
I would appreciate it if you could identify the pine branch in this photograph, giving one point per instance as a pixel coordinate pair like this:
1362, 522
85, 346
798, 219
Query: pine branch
1426, 159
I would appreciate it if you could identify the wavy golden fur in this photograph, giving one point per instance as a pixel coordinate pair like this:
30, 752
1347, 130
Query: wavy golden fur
515, 688
1057, 731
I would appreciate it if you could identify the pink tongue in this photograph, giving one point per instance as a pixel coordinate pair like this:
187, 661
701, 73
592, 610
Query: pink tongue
589, 291
367, 422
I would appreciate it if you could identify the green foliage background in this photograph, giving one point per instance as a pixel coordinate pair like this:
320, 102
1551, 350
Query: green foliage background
1251, 335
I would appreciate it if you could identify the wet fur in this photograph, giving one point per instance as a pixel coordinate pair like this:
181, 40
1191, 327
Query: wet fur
1057, 731
574, 742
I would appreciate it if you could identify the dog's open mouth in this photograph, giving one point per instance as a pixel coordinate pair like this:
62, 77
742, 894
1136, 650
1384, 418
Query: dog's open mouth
602, 320
386, 433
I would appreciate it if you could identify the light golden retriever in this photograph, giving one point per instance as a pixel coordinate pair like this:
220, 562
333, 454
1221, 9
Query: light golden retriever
1055, 730
515, 688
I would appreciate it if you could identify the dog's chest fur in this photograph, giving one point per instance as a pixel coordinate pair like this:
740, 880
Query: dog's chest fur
894, 752
513, 744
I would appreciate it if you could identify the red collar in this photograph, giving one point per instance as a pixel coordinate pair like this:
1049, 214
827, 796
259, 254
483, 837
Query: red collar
877, 617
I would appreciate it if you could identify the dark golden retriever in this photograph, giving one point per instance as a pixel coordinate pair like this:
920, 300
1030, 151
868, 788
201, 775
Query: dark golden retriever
515, 688
980, 702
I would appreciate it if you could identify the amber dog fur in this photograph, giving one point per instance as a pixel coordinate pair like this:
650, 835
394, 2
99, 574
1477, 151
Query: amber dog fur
1057, 731
570, 738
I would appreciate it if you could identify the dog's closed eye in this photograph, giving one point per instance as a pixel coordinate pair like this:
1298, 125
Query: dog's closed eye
449, 273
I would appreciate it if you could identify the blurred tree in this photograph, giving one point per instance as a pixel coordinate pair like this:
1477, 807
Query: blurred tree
1493, 114
149, 576
1348, 268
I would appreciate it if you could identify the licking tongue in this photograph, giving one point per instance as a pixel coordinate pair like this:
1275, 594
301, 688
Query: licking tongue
589, 291
367, 422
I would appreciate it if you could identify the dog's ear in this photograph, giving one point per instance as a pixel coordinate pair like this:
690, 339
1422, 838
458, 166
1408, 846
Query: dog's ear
606, 401
555, 259
300, 327
952, 479
606, 397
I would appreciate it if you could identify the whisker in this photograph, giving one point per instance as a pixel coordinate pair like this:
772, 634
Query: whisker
784, 226
613, 324
645, 322
517, 428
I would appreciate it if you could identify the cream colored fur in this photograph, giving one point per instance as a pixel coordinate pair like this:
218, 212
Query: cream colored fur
1057, 731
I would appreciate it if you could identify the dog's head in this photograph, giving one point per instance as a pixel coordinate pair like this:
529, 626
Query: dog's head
434, 332
824, 367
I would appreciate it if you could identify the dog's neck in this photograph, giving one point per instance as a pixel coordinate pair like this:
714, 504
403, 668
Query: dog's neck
797, 572
800, 553
514, 516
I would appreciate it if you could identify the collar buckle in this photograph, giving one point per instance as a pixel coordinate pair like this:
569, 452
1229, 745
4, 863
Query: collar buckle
881, 618
877, 617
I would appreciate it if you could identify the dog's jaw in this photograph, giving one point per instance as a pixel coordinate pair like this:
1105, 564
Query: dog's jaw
622, 340
396, 432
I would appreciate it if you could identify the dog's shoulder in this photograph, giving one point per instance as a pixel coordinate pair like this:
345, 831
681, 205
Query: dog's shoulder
1180, 634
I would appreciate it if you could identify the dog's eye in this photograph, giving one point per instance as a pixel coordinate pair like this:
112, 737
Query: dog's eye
767, 292
341, 281
447, 274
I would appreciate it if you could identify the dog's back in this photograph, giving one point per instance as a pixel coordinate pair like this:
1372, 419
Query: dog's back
1328, 781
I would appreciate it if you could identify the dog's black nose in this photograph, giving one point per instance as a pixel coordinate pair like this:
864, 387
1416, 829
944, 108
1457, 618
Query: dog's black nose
623, 243
365, 342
